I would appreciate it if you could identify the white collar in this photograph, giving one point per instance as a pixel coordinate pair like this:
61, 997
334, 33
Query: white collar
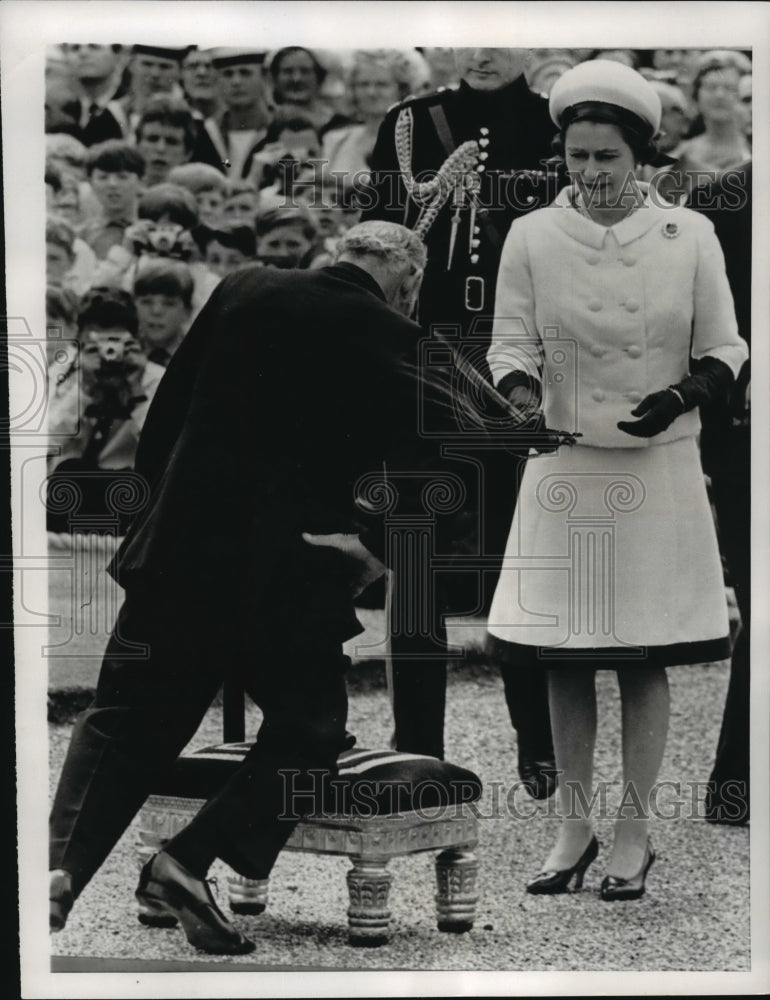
593, 233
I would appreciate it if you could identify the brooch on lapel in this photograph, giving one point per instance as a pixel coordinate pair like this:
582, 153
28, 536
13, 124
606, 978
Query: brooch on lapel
670, 230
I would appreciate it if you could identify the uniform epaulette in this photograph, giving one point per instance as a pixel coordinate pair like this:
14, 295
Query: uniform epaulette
411, 99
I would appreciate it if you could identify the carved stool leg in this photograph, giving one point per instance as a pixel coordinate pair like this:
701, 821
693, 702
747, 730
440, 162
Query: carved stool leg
369, 913
247, 895
456, 897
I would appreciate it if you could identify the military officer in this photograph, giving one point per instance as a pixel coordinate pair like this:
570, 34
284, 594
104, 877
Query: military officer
457, 167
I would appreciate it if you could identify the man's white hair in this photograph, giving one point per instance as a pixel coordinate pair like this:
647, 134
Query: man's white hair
396, 247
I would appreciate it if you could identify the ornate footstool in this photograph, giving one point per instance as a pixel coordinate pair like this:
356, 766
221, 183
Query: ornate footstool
387, 804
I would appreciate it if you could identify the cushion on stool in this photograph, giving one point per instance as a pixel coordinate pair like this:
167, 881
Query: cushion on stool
369, 783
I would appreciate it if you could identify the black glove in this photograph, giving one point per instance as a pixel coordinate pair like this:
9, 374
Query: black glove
710, 380
524, 394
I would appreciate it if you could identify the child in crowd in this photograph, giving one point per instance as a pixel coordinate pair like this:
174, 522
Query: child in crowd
209, 187
69, 155
96, 412
115, 171
334, 208
228, 247
240, 207
285, 157
167, 218
163, 296
59, 251
70, 262
61, 312
165, 137
287, 238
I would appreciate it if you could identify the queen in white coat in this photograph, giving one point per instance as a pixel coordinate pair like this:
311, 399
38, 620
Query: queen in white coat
611, 305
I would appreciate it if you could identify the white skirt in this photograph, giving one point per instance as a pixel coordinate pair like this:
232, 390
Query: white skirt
613, 555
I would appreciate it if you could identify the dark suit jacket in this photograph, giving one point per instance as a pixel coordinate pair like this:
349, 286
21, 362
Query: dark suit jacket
289, 386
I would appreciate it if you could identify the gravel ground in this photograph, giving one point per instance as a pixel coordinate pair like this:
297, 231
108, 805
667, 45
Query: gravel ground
694, 917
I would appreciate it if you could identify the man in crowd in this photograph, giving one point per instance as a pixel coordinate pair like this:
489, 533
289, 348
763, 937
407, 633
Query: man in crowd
98, 78
226, 140
199, 82
484, 138
244, 456
155, 72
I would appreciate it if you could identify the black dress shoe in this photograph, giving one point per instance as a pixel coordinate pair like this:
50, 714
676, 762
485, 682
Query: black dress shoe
556, 881
61, 899
614, 888
538, 775
167, 889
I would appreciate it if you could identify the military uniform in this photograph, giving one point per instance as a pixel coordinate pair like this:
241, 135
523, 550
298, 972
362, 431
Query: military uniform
513, 131
501, 138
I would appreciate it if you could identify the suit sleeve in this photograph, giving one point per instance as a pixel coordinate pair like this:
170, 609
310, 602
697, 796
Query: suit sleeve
516, 345
715, 329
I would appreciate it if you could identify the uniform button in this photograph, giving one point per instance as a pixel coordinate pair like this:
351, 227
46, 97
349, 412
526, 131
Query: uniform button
475, 243
634, 397
632, 305
629, 261
474, 258
597, 350
480, 168
634, 351
476, 230
594, 305
593, 259
484, 130
598, 395
483, 156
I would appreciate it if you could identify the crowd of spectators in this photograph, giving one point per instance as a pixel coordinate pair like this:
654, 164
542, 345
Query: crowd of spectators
168, 168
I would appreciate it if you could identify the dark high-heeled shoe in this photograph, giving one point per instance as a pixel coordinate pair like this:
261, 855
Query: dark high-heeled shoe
614, 888
555, 881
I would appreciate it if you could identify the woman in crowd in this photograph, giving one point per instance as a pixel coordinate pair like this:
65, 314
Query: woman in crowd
377, 81
611, 307
722, 144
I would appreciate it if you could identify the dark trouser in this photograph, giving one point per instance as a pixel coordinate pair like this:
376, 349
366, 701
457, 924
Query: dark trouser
731, 495
419, 658
146, 710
